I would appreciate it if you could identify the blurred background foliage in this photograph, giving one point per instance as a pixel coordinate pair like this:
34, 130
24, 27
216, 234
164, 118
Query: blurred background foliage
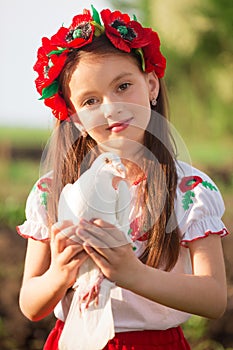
196, 38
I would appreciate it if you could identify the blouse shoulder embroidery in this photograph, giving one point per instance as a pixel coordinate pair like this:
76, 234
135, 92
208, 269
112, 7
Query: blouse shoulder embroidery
44, 186
187, 184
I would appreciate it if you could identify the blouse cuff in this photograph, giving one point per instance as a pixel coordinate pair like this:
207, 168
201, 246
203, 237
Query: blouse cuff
34, 230
204, 228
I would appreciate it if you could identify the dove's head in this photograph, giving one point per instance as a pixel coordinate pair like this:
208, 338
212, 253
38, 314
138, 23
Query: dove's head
111, 163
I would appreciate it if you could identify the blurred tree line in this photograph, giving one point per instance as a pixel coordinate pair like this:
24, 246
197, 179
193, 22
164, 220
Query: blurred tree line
196, 38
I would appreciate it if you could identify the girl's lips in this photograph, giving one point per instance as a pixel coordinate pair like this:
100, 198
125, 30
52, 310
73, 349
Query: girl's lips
120, 126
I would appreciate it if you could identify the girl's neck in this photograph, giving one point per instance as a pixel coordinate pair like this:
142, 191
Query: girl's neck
126, 149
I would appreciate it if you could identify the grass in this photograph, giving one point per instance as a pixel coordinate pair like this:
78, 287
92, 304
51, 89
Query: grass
19, 137
17, 179
211, 151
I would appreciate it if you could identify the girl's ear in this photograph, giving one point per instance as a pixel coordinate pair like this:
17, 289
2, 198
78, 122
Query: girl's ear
153, 85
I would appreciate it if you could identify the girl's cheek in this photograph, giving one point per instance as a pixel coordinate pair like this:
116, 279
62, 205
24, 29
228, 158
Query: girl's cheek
91, 118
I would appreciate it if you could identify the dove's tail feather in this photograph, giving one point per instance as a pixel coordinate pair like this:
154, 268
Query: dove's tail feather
92, 328
93, 293
88, 282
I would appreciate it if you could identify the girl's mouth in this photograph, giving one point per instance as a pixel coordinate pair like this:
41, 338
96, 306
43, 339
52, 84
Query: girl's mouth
120, 126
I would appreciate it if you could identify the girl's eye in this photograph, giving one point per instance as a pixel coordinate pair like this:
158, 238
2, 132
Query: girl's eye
90, 102
124, 86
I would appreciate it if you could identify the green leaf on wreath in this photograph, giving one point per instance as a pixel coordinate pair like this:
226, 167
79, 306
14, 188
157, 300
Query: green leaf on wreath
95, 15
99, 30
187, 199
50, 90
56, 52
141, 54
208, 185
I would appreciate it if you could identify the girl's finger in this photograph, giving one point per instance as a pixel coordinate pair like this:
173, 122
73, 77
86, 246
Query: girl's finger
99, 259
69, 253
104, 225
91, 238
80, 257
106, 235
57, 244
59, 226
70, 234
63, 234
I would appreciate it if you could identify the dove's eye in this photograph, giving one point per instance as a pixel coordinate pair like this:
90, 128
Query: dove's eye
108, 161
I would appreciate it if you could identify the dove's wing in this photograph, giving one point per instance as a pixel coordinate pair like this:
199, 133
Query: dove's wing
75, 199
64, 209
123, 206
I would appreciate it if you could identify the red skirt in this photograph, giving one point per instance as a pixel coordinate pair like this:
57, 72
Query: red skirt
170, 339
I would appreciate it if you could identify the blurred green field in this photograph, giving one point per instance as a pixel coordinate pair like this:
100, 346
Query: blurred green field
18, 175
23, 137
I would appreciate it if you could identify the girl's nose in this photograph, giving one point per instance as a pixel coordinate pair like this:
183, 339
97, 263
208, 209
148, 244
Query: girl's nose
111, 109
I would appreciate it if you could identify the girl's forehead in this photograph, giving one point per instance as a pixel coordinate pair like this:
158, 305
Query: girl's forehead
93, 57
94, 62
104, 68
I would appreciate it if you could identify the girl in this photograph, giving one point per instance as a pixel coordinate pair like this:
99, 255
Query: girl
102, 78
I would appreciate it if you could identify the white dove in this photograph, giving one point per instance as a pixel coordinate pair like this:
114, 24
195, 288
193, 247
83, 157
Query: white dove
100, 192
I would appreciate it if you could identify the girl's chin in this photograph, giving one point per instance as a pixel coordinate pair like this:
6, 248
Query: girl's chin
120, 145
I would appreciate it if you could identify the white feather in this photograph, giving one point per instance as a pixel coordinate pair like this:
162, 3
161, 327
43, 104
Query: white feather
89, 325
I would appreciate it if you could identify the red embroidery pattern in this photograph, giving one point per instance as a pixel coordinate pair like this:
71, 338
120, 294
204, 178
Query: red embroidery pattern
187, 184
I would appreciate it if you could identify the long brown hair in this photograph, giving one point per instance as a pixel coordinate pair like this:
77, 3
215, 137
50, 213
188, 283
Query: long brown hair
69, 155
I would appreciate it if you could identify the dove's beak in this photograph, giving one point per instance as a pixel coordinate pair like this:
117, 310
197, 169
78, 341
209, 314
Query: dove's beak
121, 170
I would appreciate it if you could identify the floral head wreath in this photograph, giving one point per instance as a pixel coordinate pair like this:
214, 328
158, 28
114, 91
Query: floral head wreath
125, 34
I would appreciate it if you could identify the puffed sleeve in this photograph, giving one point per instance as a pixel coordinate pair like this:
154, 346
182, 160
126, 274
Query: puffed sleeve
199, 205
36, 224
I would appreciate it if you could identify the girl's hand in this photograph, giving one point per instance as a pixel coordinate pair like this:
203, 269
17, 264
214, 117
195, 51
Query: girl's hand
66, 255
50, 269
110, 250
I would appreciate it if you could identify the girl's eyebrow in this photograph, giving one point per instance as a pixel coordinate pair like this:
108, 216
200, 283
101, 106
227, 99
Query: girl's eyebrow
120, 76
83, 94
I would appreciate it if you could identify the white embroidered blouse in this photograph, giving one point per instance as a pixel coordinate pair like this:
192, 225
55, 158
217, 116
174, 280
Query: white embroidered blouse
198, 207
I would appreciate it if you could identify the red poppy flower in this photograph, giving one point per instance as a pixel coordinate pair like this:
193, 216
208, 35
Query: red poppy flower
189, 182
124, 33
42, 58
58, 106
154, 60
80, 32
51, 72
50, 61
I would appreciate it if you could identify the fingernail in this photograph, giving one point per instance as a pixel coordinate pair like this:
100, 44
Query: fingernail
93, 219
83, 221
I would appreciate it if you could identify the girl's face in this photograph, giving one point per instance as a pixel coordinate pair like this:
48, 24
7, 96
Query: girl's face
111, 98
